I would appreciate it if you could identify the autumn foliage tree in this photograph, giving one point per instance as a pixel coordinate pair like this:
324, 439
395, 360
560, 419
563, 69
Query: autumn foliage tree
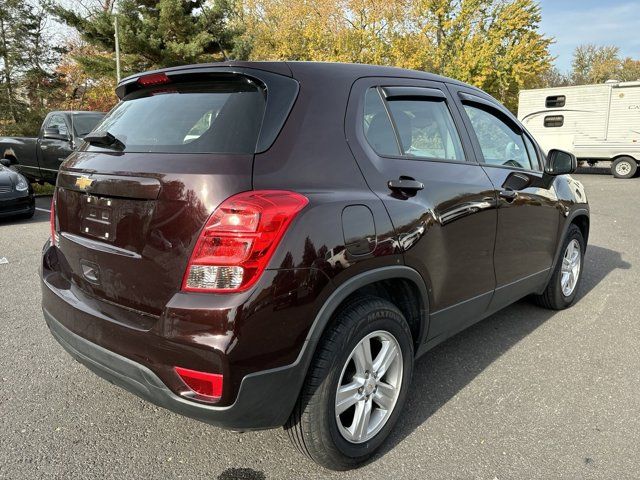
597, 64
80, 90
493, 44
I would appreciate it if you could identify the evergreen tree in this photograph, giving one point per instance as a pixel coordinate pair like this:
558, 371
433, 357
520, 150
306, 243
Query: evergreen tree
154, 34
26, 65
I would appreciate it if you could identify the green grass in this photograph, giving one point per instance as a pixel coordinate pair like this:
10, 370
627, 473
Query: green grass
46, 189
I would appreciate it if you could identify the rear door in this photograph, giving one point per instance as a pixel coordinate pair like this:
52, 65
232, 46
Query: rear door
129, 214
407, 140
528, 218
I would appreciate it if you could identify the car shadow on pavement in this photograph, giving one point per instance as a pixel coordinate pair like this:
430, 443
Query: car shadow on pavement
38, 217
444, 371
241, 474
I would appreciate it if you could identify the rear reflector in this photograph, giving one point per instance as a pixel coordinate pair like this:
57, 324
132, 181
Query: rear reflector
154, 79
239, 239
53, 221
207, 386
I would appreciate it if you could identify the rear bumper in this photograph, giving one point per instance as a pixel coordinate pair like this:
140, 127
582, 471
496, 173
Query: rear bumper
265, 399
138, 352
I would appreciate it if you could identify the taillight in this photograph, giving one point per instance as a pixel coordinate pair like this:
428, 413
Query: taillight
206, 386
239, 239
53, 222
154, 79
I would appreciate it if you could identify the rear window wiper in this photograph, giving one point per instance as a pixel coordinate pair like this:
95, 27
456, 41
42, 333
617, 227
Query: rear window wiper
104, 139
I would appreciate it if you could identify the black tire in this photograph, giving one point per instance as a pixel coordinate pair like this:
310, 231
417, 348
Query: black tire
624, 167
553, 297
312, 426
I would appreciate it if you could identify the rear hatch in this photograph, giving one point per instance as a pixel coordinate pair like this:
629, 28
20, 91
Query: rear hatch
130, 205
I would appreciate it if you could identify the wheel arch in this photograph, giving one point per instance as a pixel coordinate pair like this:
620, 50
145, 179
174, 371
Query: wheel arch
399, 284
362, 283
580, 218
626, 155
10, 154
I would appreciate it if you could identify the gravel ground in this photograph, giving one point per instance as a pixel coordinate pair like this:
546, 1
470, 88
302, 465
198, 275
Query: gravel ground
527, 393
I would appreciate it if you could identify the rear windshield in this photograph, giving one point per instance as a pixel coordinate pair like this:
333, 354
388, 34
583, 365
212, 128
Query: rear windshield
84, 123
213, 117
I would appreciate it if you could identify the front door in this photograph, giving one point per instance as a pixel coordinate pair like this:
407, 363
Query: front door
528, 218
407, 140
54, 150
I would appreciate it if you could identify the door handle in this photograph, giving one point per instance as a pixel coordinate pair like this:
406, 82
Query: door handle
508, 195
404, 184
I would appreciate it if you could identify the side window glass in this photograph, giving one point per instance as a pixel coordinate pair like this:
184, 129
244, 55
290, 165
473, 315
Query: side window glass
500, 145
426, 129
56, 121
377, 126
533, 153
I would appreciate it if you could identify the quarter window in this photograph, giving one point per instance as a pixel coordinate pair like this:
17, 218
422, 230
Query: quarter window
533, 153
500, 144
377, 126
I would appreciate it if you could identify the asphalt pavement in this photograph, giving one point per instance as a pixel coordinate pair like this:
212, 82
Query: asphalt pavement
524, 394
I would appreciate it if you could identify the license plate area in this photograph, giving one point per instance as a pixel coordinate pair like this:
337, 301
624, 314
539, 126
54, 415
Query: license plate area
97, 217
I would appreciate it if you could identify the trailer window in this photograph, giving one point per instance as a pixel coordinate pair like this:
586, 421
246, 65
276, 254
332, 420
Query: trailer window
553, 121
556, 101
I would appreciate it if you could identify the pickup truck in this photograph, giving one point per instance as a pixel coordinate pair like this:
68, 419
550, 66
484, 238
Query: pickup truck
39, 158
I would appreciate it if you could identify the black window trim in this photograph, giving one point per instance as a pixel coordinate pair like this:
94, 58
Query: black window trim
413, 93
538, 153
393, 92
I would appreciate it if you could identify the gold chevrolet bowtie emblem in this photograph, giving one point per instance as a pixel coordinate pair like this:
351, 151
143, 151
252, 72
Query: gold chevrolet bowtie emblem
83, 182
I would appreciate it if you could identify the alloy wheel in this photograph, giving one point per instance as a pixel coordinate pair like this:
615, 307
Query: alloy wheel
369, 386
571, 264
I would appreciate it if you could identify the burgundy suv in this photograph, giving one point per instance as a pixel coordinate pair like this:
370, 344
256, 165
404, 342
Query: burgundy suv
264, 244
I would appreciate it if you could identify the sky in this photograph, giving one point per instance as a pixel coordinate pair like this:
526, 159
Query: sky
603, 22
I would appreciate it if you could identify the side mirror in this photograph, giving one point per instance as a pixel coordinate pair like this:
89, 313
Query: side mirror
5, 162
560, 162
54, 134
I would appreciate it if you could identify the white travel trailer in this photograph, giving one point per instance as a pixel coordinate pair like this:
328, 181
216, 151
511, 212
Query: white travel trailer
594, 122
